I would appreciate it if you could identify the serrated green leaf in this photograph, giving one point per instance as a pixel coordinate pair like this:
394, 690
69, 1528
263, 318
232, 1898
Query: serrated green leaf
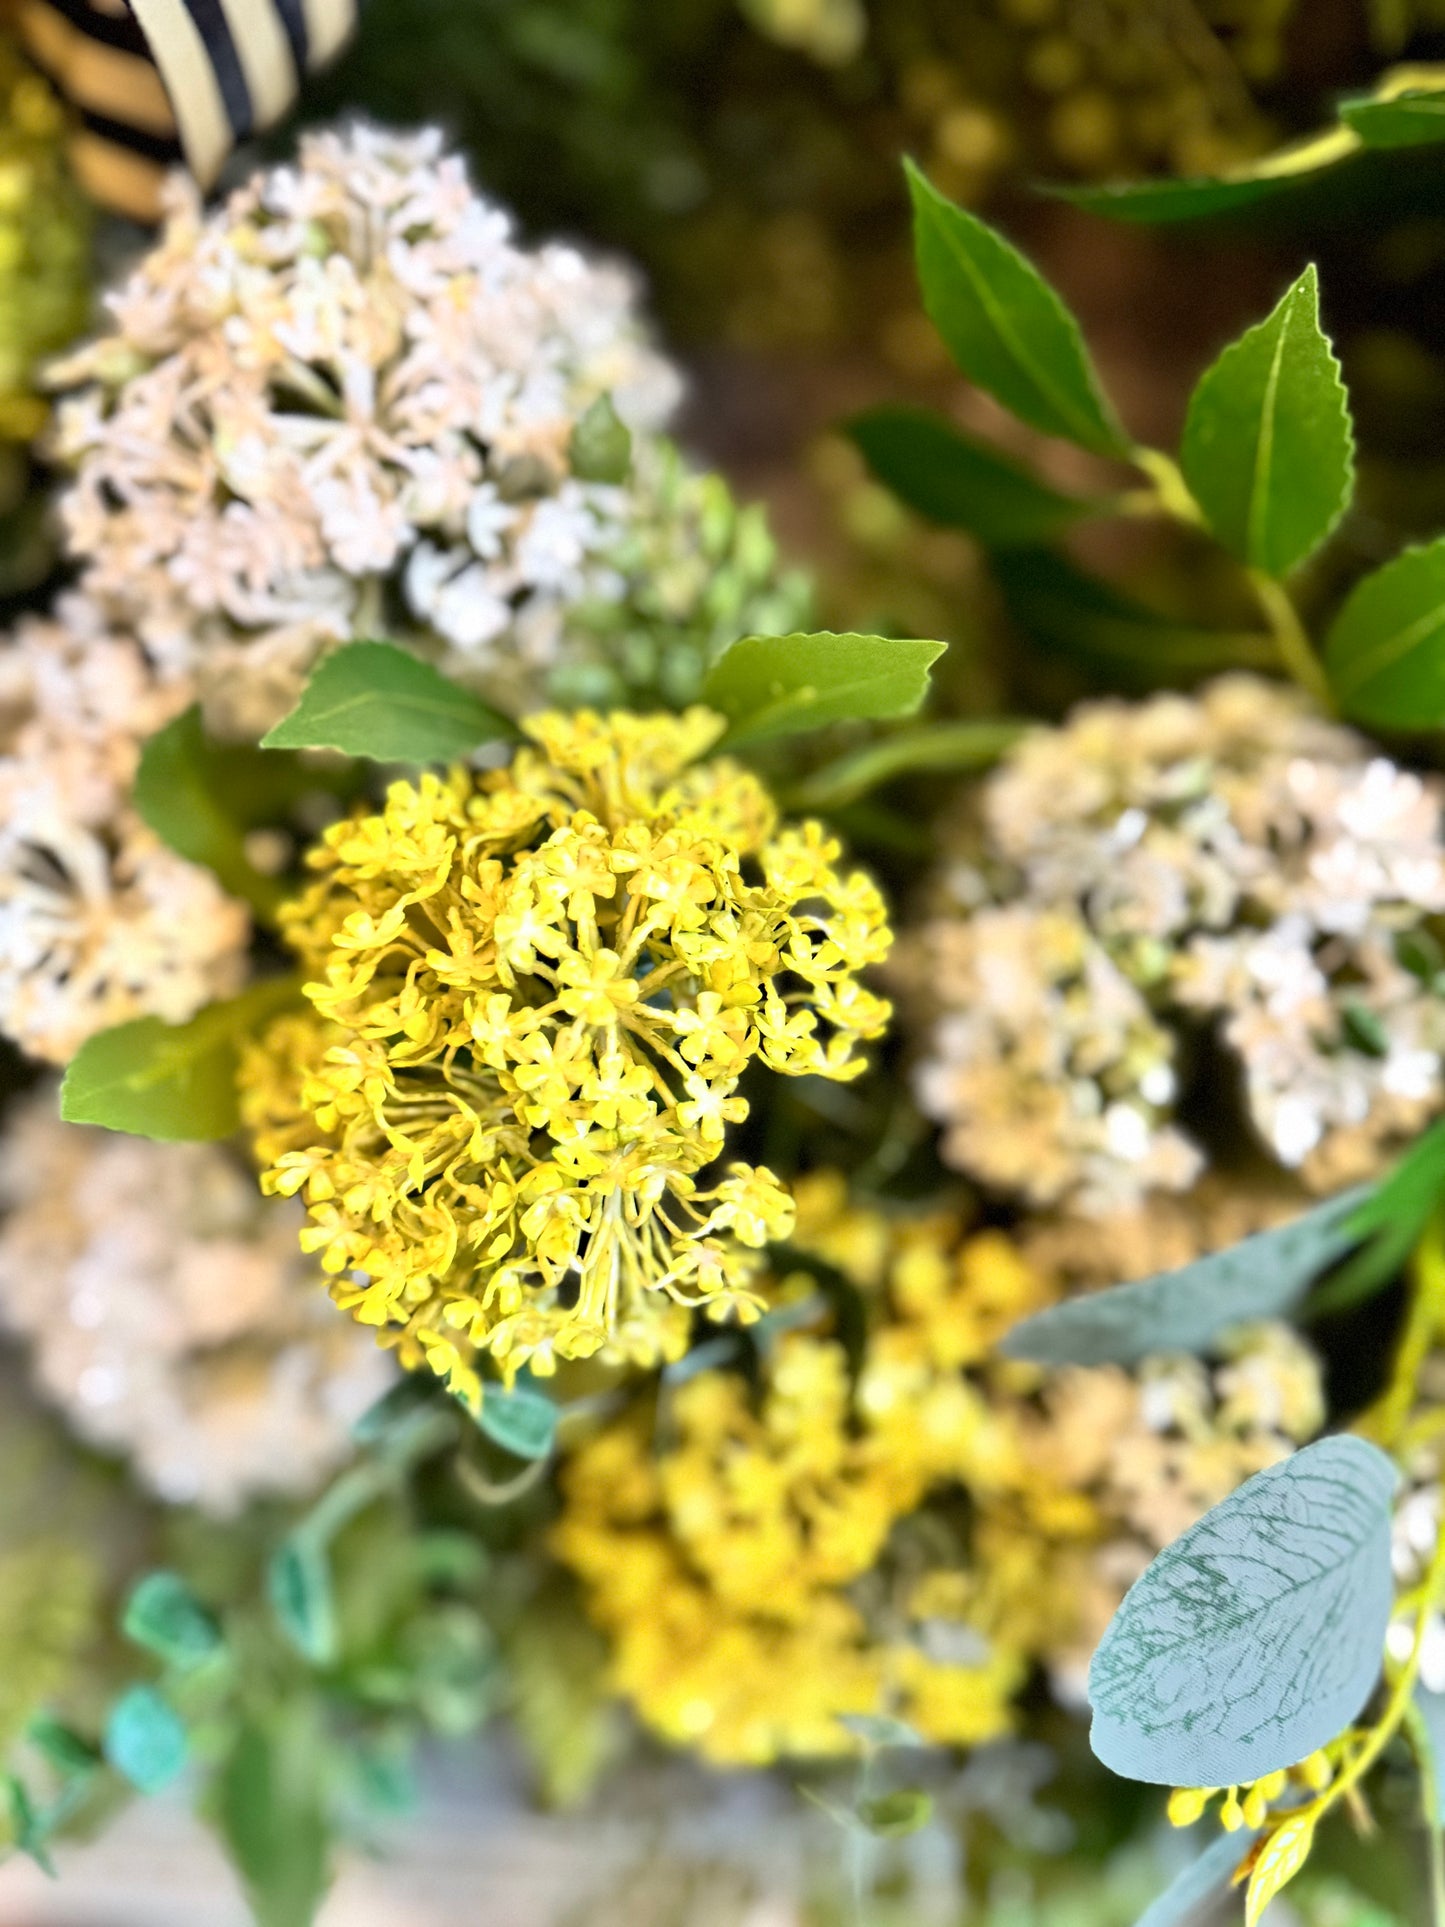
1183, 1901
1414, 119
1268, 449
1265, 1276
1256, 1637
180, 791
298, 1584
770, 686
1385, 651
372, 699
933, 468
271, 1808
522, 1421
893, 1816
931, 747
144, 1740
173, 1082
1004, 326
601, 447
165, 1616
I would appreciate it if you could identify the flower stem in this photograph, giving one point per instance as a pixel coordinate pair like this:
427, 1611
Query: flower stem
1290, 639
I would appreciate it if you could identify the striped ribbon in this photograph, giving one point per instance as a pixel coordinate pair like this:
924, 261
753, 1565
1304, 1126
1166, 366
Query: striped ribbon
154, 82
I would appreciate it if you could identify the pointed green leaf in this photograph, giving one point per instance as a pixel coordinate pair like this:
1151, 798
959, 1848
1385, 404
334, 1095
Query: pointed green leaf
1256, 1637
963, 484
779, 685
1005, 326
1390, 1222
1183, 1901
298, 1583
1269, 450
522, 1421
1163, 202
181, 792
1265, 1276
601, 448
373, 699
144, 1740
1385, 651
932, 746
1415, 119
271, 1804
893, 1816
169, 1081
165, 1616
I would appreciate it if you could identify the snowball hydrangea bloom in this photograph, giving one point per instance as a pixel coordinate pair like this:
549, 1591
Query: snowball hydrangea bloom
535, 994
341, 405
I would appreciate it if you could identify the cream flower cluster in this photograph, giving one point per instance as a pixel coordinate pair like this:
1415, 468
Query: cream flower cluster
99, 922
1149, 872
343, 405
170, 1316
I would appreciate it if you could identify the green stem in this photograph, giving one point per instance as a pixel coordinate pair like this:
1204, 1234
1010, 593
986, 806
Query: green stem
1430, 1803
1290, 639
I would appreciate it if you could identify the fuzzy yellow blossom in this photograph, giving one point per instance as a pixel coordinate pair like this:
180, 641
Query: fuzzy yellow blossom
534, 994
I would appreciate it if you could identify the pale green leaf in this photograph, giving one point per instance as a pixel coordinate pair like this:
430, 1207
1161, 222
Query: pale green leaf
165, 1616
270, 1800
779, 685
169, 1081
601, 447
1280, 1859
373, 699
1256, 1637
144, 1740
1183, 1902
963, 484
1265, 1276
522, 1421
893, 1816
1385, 651
1268, 449
181, 793
1005, 326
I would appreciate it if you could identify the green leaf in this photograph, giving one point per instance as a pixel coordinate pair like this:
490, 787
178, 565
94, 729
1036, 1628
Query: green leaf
892, 1816
1257, 1636
523, 1422
144, 1740
778, 685
1385, 651
1164, 202
298, 1583
960, 483
1431, 1709
1268, 449
601, 449
1183, 1901
1004, 325
373, 699
182, 786
62, 1746
31, 1827
169, 1081
877, 1730
932, 746
1265, 1276
165, 1616
271, 1808
1415, 119
1391, 1220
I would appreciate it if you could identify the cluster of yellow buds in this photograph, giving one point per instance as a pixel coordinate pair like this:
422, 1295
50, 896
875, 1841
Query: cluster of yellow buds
536, 991
1250, 1806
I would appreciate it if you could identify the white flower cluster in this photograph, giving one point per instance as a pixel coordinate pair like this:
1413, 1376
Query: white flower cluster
99, 922
170, 1315
343, 405
1148, 872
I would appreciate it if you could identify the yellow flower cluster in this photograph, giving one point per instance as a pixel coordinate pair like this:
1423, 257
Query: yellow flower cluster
536, 992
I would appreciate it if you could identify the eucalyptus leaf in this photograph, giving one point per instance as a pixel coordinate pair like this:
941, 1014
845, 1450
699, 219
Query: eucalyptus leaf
930, 747
1385, 650
298, 1583
181, 792
172, 1082
1199, 1885
1265, 1276
165, 1616
771, 686
960, 483
375, 700
144, 1740
1256, 1637
1005, 326
522, 1421
1268, 449
270, 1804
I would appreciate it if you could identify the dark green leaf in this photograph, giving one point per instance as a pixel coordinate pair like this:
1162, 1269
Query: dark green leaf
1163, 202
62, 1746
779, 685
1385, 652
1005, 326
892, 1816
30, 1826
373, 699
298, 1582
1415, 119
1265, 1276
271, 1807
181, 791
1256, 1637
1183, 1902
144, 1740
523, 1422
963, 484
601, 448
1390, 1221
932, 746
165, 1616
1268, 448
169, 1081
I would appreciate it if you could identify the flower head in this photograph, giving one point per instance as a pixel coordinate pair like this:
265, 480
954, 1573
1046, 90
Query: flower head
535, 994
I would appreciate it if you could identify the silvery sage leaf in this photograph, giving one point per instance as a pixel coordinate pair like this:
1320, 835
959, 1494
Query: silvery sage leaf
1257, 1636
1265, 1276
1184, 1900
